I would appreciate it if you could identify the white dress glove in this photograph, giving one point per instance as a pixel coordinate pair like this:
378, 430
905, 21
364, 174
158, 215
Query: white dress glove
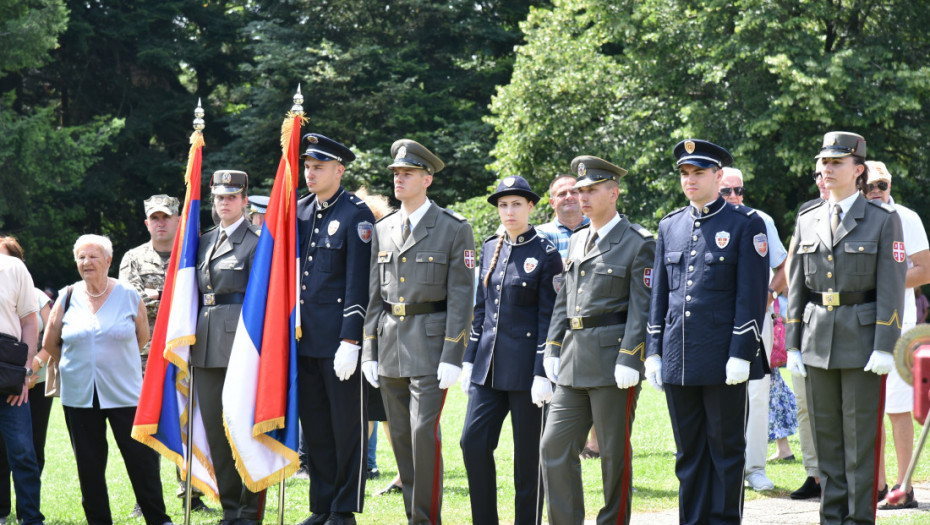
880, 362
737, 371
541, 392
625, 376
370, 369
654, 371
466, 377
551, 366
795, 364
346, 360
447, 374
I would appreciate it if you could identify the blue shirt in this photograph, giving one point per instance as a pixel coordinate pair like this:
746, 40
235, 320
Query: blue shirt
559, 234
100, 350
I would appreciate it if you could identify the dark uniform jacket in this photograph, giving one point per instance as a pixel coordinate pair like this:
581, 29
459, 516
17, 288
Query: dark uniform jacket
222, 270
867, 253
614, 277
711, 279
512, 313
335, 251
435, 263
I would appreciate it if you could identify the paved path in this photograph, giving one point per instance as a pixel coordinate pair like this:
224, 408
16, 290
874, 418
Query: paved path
785, 511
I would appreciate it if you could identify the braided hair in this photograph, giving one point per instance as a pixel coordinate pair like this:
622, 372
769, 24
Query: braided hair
497, 253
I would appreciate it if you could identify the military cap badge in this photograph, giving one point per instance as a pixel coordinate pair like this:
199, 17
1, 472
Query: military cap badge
689, 147
582, 169
226, 177
312, 140
509, 181
402, 152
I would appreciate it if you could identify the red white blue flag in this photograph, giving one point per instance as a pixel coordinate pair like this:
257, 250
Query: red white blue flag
260, 393
162, 418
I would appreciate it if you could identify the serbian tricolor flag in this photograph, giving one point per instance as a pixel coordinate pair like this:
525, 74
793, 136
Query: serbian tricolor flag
260, 394
162, 418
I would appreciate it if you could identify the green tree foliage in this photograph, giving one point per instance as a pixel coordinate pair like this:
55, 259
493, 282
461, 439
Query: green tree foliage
374, 72
42, 163
627, 80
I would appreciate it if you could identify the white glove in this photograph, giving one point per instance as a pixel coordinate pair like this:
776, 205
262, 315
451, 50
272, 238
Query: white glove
654, 371
737, 370
346, 360
447, 374
551, 366
370, 369
795, 364
541, 392
625, 376
466, 377
880, 362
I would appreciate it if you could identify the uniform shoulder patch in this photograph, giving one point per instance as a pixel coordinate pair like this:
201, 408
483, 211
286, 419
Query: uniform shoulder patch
387, 215
885, 206
643, 232
458, 216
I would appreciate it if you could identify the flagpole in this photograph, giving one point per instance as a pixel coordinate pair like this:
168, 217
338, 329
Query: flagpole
198, 126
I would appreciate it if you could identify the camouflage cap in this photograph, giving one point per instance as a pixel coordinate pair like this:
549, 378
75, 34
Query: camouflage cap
877, 171
837, 144
162, 203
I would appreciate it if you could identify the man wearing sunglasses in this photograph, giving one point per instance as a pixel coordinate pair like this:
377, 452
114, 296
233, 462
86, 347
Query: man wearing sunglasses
757, 427
899, 396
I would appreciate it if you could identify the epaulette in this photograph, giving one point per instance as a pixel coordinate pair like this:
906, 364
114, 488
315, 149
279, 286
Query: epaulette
210, 230
257, 230
643, 232
547, 244
883, 205
744, 211
583, 226
674, 212
492, 237
387, 215
810, 205
457, 216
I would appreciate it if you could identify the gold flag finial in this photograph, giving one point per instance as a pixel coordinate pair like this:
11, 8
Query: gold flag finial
198, 117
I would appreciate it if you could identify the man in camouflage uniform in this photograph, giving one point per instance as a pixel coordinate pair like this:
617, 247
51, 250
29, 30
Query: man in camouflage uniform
144, 267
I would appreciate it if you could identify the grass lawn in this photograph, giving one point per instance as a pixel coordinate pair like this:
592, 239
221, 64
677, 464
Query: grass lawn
653, 475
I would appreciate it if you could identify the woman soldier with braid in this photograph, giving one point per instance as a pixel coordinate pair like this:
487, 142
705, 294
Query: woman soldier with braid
503, 366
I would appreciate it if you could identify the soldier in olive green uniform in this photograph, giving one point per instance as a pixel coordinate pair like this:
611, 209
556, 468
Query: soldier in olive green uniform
422, 299
224, 261
845, 301
144, 267
595, 349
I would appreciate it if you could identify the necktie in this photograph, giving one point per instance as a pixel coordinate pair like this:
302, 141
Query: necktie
406, 230
592, 240
835, 218
222, 239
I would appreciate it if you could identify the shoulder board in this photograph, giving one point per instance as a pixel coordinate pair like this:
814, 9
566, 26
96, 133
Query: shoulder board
643, 232
492, 237
357, 201
306, 198
457, 216
387, 215
255, 229
547, 244
744, 211
887, 207
810, 205
211, 229
583, 226
674, 212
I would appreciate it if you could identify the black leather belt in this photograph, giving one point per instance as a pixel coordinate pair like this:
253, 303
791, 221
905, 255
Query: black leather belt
213, 299
403, 309
593, 321
842, 298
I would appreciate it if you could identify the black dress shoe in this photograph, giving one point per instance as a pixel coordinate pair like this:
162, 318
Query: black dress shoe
317, 518
341, 518
197, 505
810, 489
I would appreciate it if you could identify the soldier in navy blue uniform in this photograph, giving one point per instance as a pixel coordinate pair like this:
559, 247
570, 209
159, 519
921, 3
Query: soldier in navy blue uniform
335, 229
503, 366
703, 344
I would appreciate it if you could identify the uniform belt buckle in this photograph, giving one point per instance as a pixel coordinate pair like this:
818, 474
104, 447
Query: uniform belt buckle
576, 323
399, 309
209, 299
831, 298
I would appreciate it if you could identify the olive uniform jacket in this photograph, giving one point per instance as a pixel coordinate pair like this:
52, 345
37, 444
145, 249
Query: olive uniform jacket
436, 263
866, 254
221, 270
614, 277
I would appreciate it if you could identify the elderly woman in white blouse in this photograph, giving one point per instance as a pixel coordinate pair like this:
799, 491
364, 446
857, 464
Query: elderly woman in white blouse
96, 331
